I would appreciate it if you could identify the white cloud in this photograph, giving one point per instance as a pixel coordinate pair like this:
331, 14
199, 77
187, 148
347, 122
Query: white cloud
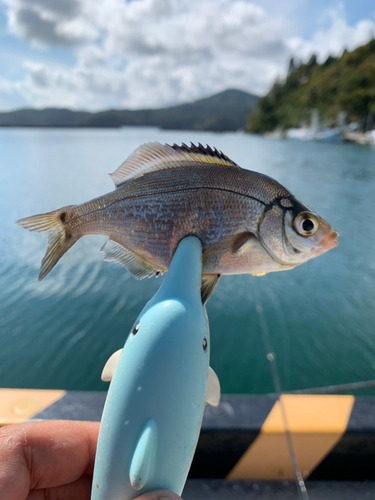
334, 35
51, 22
147, 53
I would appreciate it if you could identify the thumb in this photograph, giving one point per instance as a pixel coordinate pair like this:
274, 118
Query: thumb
159, 495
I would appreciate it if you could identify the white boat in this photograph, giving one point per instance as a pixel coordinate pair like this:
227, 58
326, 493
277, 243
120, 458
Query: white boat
309, 134
315, 132
302, 134
329, 135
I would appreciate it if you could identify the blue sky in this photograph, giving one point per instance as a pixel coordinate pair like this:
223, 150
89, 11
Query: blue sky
95, 54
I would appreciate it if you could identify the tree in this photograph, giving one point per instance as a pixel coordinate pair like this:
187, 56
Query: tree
292, 67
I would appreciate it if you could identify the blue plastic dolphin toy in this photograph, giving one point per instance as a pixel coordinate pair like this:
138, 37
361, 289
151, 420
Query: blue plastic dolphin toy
161, 381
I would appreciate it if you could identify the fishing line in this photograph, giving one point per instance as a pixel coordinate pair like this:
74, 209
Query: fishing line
271, 356
353, 386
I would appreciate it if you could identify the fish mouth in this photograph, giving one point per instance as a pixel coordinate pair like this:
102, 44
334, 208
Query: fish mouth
328, 242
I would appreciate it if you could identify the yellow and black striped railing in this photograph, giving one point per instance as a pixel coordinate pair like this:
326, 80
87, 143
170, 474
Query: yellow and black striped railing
245, 437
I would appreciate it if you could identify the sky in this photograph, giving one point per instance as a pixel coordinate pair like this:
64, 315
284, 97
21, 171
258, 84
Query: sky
99, 54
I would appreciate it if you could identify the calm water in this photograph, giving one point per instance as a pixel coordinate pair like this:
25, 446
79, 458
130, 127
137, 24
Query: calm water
60, 332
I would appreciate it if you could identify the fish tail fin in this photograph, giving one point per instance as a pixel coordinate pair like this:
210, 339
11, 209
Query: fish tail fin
60, 238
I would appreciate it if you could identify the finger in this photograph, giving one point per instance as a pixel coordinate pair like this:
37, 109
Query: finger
159, 495
45, 454
79, 490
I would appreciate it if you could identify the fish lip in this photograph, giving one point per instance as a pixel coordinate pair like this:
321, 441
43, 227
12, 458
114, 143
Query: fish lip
328, 242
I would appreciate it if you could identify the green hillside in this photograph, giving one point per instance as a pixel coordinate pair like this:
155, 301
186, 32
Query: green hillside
227, 110
339, 84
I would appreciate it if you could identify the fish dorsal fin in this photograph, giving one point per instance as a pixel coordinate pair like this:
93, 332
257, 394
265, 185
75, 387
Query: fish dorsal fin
155, 156
137, 266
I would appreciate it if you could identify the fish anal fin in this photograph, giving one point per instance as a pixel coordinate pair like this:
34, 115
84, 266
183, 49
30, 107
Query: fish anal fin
154, 156
137, 266
209, 282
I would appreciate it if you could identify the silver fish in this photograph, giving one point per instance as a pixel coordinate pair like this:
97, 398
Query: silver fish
246, 221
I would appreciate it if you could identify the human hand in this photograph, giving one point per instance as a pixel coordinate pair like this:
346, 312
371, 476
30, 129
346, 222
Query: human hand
52, 460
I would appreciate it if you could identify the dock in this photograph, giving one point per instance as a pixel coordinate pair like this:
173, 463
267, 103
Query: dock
242, 451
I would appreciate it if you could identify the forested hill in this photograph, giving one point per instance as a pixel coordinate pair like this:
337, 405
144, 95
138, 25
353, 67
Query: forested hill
339, 84
227, 110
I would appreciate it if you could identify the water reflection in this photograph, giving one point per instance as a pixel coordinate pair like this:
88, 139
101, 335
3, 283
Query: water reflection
59, 333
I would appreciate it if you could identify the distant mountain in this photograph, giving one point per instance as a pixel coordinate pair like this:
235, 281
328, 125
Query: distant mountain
49, 117
227, 110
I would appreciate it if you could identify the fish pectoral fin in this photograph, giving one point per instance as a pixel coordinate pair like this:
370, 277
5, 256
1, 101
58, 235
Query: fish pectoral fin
136, 265
209, 282
110, 366
224, 245
240, 240
232, 244
213, 391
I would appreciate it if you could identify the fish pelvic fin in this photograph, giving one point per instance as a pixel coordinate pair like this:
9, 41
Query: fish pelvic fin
209, 282
136, 265
60, 238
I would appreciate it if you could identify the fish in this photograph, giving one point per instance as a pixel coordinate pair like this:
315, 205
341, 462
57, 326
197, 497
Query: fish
247, 222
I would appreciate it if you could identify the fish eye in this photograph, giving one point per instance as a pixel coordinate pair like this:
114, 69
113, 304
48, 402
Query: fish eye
306, 224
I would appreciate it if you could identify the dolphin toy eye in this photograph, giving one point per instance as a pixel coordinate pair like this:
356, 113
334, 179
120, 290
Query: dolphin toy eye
136, 328
204, 344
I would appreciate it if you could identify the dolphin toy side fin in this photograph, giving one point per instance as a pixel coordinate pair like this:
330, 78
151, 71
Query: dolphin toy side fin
213, 391
144, 458
110, 366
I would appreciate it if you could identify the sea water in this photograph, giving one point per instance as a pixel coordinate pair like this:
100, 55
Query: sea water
58, 333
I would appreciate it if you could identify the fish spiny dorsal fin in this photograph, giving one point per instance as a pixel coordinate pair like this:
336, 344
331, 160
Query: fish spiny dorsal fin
155, 156
205, 154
